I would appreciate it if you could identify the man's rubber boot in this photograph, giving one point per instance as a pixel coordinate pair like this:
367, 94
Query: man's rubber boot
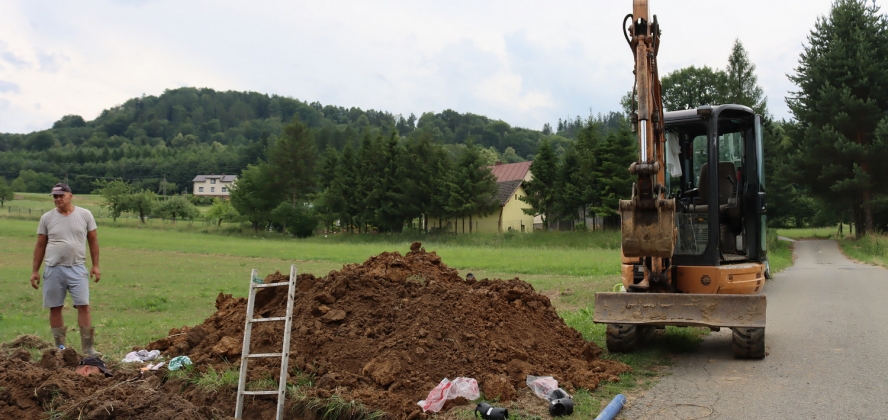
58, 335
87, 335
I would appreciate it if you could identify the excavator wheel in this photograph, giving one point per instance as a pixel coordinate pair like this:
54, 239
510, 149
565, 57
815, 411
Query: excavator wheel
625, 338
749, 343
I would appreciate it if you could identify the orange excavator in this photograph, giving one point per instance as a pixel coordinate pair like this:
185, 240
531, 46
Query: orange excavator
694, 249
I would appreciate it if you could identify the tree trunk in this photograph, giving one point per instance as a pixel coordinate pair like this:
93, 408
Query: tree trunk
868, 211
470, 223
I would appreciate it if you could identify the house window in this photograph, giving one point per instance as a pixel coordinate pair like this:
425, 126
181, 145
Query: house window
199, 189
224, 189
212, 181
212, 189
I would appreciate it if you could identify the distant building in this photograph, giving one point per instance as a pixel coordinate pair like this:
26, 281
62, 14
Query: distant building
510, 216
213, 185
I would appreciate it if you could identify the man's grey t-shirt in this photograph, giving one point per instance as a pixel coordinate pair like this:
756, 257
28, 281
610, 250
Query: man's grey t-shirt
67, 236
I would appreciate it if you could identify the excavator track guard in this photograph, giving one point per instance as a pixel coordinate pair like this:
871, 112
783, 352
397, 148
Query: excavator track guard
680, 309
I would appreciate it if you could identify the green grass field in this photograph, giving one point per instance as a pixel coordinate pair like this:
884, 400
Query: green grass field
161, 275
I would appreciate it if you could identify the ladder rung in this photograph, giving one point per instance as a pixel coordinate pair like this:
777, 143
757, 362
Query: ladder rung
260, 392
264, 355
283, 283
277, 318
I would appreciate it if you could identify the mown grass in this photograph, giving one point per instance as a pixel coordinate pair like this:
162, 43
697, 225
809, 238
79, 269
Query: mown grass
518, 260
164, 276
813, 233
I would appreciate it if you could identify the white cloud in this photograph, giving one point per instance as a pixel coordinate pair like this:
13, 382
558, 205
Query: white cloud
8, 87
524, 62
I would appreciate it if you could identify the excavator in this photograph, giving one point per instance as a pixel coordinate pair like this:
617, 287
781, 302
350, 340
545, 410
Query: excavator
694, 249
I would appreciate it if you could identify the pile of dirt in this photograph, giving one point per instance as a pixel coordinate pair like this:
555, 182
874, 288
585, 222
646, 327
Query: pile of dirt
383, 333
387, 331
49, 388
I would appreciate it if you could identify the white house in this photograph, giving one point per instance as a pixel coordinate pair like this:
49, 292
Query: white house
213, 185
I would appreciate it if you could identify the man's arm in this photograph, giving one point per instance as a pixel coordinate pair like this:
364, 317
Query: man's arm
39, 253
93, 240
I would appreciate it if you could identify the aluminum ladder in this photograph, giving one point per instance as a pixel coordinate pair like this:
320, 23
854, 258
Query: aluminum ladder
281, 392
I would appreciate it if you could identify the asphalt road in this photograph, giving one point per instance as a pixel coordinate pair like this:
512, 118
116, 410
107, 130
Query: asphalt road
827, 348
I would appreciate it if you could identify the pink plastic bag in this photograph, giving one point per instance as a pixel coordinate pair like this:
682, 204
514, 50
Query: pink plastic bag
448, 390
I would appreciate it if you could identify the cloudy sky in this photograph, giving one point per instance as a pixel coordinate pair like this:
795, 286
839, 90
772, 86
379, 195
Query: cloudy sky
525, 62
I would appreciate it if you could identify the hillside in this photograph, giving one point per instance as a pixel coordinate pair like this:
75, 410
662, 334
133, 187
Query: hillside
189, 131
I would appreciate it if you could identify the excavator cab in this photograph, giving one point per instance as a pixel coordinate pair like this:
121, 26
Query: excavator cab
720, 212
714, 173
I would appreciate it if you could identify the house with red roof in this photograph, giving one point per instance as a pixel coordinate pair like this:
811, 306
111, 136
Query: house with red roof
509, 217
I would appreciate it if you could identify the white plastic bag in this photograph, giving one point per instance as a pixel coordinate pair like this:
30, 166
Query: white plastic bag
448, 390
542, 386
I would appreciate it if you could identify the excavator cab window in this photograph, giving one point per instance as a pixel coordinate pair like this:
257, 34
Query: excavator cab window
690, 184
685, 159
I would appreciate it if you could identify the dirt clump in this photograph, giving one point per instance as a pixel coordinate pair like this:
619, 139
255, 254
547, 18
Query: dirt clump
385, 332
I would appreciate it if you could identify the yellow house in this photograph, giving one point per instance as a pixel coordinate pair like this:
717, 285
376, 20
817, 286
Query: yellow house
509, 217
213, 185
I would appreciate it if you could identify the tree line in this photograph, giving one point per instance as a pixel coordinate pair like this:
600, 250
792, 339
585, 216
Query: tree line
188, 131
391, 183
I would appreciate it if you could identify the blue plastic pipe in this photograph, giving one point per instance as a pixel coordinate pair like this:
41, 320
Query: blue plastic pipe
613, 408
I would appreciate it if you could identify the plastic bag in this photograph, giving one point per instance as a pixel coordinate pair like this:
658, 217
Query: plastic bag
178, 362
448, 390
542, 386
546, 387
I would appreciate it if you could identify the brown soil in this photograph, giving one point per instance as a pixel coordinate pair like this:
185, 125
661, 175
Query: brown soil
384, 333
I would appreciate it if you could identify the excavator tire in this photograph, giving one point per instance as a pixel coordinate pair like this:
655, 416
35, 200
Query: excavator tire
625, 338
749, 343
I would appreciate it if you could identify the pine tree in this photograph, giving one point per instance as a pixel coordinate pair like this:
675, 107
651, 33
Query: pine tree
329, 200
588, 140
568, 187
389, 187
843, 95
611, 172
473, 187
366, 173
344, 186
741, 82
293, 159
425, 167
541, 188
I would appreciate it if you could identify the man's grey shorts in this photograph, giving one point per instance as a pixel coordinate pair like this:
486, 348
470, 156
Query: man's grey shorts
59, 279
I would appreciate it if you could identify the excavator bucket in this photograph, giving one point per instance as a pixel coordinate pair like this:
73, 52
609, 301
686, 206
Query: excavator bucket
647, 232
680, 309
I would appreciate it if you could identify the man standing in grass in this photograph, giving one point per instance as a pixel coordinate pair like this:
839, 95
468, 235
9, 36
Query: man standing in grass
61, 238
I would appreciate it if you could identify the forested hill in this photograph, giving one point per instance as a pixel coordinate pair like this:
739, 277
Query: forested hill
189, 131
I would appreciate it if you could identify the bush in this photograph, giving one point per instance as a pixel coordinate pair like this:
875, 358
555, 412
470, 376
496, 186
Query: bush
300, 221
200, 200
